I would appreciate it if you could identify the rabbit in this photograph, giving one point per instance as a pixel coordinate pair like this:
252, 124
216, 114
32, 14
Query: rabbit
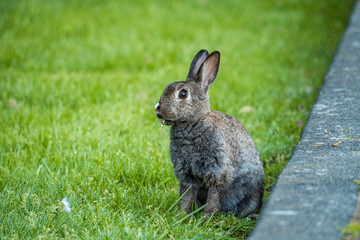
213, 156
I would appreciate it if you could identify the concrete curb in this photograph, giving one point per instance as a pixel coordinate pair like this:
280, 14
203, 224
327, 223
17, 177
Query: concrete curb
315, 195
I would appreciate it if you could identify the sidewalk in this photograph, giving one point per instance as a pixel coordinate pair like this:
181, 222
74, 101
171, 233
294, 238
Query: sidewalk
315, 195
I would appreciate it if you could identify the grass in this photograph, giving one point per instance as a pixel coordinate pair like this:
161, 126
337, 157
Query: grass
352, 230
78, 82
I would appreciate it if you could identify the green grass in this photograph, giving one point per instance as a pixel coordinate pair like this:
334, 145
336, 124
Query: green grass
78, 82
352, 230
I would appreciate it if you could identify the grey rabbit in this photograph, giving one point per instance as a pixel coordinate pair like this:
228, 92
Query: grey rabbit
213, 156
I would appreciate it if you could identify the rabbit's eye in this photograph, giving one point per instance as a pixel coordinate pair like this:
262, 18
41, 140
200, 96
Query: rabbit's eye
183, 94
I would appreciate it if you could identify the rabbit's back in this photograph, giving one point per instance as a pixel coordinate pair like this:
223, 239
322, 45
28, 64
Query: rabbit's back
238, 142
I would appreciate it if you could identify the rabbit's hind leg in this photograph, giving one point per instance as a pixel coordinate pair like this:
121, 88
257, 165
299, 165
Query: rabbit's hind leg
250, 204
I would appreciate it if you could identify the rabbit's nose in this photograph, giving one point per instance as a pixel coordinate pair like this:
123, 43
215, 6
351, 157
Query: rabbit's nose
157, 107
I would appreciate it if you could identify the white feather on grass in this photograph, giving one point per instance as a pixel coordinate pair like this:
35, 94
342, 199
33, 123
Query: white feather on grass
66, 204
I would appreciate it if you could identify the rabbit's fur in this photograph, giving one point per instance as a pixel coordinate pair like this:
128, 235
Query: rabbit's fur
214, 157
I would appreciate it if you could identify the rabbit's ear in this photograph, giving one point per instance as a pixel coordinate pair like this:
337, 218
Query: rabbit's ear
209, 70
199, 58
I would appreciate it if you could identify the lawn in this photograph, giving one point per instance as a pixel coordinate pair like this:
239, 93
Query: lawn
78, 85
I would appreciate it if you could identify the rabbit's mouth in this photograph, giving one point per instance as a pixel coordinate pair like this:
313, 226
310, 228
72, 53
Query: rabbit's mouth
166, 122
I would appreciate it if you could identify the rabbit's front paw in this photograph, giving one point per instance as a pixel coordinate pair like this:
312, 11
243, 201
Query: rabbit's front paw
186, 203
208, 212
213, 202
185, 209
